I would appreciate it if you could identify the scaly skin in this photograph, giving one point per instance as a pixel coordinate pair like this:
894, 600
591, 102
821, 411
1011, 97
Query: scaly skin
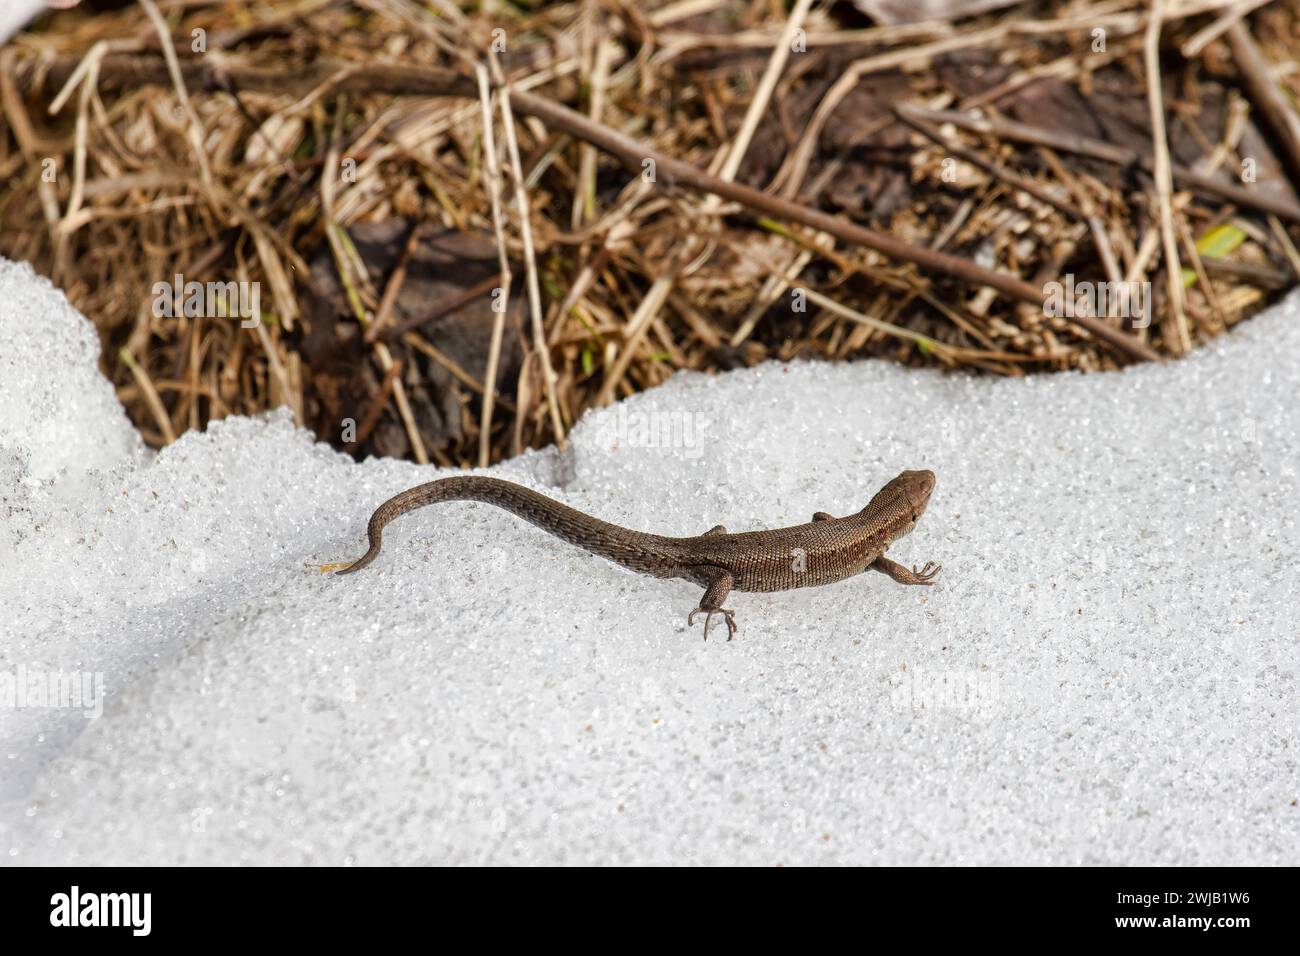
826, 549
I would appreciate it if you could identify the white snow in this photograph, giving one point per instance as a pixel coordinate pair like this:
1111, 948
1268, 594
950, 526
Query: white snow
14, 15
1105, 672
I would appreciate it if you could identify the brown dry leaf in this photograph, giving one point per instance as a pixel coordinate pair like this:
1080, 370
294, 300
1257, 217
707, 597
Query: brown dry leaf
443, 267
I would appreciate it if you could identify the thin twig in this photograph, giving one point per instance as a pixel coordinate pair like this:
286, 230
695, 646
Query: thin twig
585, 188
376, 407
1016, 181
1164, 183
1203, 37
1112, 153
194, 127
418, 342
394, 288
493, 171
1280, 117
543, 354
345, 254
151, 396
447, 307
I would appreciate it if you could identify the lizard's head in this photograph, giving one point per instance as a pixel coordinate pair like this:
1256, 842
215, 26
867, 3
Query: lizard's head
909, 492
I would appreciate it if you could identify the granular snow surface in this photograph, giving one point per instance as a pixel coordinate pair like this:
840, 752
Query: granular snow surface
1105, 671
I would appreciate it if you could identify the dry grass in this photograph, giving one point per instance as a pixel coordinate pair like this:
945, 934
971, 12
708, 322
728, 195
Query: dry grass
300, 147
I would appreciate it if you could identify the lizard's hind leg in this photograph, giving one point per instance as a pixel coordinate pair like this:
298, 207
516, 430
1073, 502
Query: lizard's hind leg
902, 575
717, 585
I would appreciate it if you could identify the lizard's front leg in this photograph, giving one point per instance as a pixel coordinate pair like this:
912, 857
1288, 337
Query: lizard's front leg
902, 575
717, 586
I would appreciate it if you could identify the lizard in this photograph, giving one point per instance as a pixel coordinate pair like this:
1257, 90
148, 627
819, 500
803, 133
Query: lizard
825, 550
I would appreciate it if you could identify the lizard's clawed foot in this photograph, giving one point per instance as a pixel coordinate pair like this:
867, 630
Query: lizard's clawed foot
928, 573
727, 613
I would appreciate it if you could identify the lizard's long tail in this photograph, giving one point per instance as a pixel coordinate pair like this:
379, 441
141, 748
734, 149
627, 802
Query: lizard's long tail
647, 553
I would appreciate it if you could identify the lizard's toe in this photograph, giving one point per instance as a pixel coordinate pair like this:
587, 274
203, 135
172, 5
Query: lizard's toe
928, 573
728, 615
690, 620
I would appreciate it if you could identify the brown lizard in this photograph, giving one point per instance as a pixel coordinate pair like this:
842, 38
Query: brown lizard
825, 550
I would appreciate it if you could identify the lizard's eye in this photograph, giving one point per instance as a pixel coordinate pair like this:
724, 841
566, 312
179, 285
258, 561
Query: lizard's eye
915, 519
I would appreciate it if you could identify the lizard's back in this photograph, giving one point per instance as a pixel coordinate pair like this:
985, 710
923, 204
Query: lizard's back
805, 555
